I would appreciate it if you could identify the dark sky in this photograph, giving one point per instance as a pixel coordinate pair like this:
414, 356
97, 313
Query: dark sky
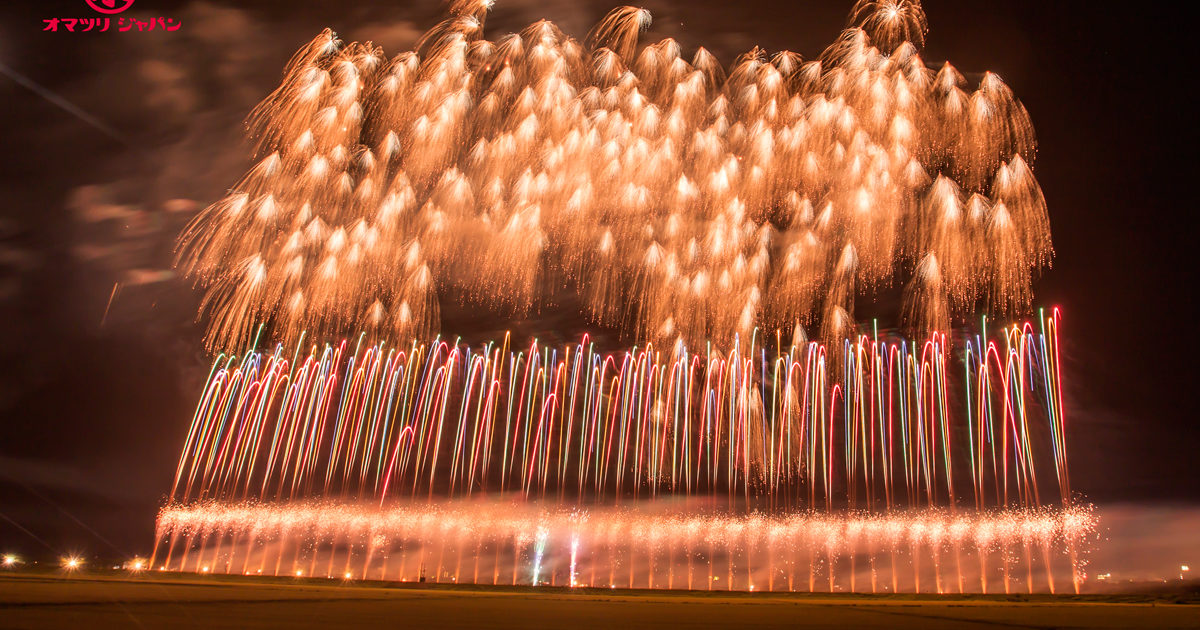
94, 405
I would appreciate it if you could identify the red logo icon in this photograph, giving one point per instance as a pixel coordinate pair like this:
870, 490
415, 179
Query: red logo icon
110, 6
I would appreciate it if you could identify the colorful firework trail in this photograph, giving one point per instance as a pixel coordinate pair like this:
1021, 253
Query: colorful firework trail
887, 430
882, 432
661, 190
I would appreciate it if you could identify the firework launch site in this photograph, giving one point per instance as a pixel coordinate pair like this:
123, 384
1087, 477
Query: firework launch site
114, 600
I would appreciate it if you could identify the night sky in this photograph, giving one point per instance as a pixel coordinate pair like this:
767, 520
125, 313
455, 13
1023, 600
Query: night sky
95, 399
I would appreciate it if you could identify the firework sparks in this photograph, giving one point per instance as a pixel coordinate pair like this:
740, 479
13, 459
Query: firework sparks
341, 447
487, 543
661, 189
781, 425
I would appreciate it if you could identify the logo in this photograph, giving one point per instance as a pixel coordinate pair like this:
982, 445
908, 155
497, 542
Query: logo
110, 7
101, 24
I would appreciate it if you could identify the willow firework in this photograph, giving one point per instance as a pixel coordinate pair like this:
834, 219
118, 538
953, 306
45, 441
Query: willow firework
662, 190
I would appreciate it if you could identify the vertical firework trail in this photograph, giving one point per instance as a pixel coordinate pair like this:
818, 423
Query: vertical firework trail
690, 206
886, 437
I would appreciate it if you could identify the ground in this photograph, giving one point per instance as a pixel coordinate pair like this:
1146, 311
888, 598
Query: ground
94, 601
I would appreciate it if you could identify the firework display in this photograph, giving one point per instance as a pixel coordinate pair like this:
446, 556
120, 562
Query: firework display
661, 190
692, 207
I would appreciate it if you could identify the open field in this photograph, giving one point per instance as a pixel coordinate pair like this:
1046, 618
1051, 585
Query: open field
46, 600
